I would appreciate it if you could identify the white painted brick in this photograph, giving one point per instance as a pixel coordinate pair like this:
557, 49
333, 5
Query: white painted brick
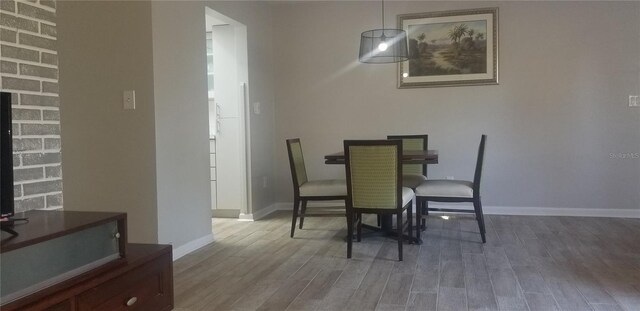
28, 35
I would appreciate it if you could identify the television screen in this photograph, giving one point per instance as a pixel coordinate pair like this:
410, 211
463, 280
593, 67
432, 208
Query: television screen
6, 156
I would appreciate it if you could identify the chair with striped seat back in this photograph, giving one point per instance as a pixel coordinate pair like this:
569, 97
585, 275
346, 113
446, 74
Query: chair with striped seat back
374, 186
414, 174
305, 190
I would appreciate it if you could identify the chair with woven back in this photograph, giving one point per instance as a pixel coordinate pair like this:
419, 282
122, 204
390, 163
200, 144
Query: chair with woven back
305, 190
414, 174
374, 186
455, 191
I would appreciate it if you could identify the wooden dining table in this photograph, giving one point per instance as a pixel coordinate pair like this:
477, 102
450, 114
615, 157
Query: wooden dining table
408, 157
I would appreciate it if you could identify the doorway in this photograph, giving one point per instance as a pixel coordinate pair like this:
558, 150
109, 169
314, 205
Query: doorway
227, 77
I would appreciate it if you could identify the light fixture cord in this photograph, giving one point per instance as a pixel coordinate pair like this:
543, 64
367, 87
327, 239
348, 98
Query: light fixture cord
383, 16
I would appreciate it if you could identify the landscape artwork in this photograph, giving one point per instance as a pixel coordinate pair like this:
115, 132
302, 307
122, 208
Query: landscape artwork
450, 48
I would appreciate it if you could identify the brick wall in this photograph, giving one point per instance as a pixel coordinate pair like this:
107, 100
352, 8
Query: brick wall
29, 68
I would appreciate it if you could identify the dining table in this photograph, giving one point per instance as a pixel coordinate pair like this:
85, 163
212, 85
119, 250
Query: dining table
408, 157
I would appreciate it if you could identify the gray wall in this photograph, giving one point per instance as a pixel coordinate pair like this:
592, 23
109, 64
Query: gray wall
258, 17
152, 162
181, 112
109, 161
566, 71
29, 70
182, 121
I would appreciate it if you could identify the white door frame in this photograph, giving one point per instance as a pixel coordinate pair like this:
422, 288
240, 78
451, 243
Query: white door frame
246, 207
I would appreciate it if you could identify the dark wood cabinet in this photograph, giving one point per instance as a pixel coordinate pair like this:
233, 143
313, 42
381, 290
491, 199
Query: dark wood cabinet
147, 287
95, 268
63, 306
143, 282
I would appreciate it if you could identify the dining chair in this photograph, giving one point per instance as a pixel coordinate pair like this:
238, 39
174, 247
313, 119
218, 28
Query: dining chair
456, 191
374, 186
414, 174
305, 190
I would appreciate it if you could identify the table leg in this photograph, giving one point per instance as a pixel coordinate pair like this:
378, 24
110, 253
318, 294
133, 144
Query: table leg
387, 228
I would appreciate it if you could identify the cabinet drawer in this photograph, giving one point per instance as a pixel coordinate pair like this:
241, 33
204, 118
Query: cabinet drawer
148, 287
63, 306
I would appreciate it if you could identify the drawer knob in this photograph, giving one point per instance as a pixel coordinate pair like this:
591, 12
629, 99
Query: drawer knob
132, 301
117, 235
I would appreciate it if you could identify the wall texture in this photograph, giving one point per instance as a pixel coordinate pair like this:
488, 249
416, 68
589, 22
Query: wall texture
182, 121
553, 123
258, 17
181, 105
29, 70
153, 160
109, 161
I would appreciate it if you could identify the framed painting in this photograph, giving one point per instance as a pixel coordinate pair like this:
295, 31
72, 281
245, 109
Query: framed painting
450, 48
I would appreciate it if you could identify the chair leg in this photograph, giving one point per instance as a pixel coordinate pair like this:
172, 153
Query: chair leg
359, 221
379, 220
304, 210
400, 235
480, 217
296, 204
349, 231
425, 211
419, 204
410, 220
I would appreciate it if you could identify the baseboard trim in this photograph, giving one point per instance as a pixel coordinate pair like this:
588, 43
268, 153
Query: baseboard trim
516, 211
283, 206
192, 246
225, 213
261, 213
562, 211
245, 217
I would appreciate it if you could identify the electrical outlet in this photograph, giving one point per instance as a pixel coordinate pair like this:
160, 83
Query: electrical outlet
633, 101
449, 177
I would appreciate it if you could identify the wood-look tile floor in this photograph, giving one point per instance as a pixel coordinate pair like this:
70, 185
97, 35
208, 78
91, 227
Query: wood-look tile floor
528, 263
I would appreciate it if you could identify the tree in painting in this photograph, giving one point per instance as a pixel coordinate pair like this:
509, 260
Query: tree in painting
457, 32
456, 48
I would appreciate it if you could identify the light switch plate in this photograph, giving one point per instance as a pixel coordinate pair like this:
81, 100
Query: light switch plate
633, 101
256, 108
129, 99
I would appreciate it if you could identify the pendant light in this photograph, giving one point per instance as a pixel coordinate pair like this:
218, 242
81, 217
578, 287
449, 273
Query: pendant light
379, 46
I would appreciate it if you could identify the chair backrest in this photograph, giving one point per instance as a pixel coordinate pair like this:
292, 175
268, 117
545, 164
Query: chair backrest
478, 174
413, 142
296, 161
373, 169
